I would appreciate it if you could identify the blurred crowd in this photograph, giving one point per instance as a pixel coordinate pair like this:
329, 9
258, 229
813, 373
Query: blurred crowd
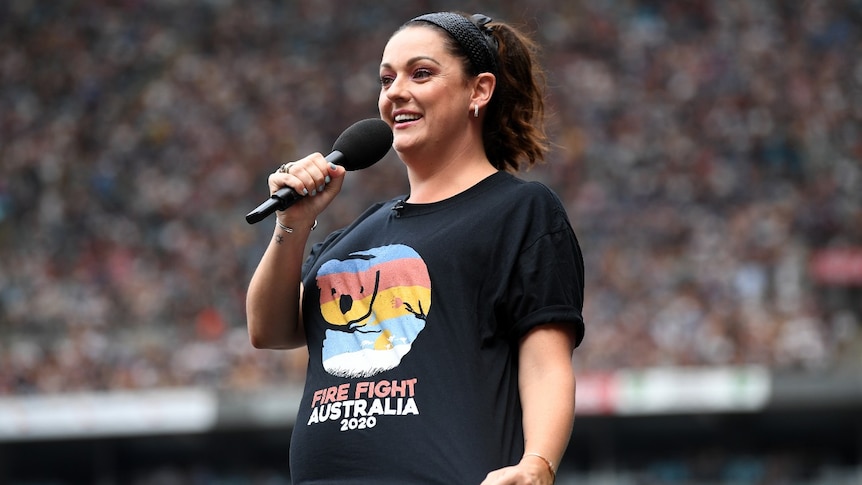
705, 150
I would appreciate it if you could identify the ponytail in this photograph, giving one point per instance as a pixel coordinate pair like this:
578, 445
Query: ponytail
514, 132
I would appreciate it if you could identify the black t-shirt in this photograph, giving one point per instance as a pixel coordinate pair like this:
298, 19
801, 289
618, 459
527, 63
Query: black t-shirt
413, 316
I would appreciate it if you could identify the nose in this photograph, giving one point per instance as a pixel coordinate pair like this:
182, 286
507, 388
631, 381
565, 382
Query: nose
397, 90
345, 303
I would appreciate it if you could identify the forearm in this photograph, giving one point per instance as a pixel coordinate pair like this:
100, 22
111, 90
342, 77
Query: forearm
546, 383
549, 415
547, 388
273, 299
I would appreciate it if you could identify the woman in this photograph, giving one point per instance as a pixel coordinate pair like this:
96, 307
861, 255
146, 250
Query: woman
440, 325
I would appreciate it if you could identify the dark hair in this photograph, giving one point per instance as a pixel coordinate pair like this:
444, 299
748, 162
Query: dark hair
513, 132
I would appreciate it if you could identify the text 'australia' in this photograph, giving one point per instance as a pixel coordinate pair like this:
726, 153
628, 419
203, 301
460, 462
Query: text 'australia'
359, 404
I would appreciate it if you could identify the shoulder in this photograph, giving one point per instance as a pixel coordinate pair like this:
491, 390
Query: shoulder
532, 197
529, 189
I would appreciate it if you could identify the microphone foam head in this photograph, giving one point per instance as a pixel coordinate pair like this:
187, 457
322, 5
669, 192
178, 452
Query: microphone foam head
364, 143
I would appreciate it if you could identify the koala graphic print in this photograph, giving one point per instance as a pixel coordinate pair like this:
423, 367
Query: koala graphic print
375, 303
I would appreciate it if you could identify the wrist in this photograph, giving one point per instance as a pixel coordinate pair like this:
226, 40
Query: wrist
548, 464
289, 228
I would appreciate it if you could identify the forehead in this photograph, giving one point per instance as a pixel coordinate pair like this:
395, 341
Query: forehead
416, 41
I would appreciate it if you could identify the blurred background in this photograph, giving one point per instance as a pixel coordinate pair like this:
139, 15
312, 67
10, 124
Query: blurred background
708, 153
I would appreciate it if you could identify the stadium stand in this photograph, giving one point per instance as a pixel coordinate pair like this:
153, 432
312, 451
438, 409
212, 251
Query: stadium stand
708, 153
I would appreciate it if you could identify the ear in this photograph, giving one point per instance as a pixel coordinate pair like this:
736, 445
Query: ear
483, 88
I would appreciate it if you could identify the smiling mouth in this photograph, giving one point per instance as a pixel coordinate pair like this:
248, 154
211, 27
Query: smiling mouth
406, 118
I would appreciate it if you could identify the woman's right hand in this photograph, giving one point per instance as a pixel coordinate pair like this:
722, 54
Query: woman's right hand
314, 178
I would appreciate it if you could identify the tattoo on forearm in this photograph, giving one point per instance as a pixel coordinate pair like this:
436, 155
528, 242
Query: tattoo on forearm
279, 238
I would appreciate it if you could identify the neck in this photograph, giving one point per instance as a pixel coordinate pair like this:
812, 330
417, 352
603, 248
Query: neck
441, 181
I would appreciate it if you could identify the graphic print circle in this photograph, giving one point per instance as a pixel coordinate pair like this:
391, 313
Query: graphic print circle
375, 304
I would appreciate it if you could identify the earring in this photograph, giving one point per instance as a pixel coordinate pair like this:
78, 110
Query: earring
475, 111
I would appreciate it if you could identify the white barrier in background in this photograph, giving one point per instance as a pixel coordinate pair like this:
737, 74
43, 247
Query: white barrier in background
121, 413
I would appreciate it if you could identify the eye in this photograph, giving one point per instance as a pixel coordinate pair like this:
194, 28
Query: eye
386, 80
421, 73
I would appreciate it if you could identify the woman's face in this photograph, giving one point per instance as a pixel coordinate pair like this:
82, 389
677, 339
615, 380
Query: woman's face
424, 95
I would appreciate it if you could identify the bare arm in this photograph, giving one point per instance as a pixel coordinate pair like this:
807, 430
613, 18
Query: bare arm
273, 299
547, 388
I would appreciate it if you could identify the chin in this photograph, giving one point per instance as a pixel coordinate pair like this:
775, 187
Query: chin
402, 144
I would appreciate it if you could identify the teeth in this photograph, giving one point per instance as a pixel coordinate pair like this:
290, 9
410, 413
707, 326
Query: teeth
402, 118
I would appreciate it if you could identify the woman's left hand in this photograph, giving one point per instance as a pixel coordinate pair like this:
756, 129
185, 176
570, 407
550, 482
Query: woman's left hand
530, 471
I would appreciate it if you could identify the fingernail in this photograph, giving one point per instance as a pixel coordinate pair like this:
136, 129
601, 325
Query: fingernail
333, 166
320, 189
304, 191
327, 179
313, 193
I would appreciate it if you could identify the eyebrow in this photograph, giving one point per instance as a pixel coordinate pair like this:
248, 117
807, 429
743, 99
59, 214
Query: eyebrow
413, 60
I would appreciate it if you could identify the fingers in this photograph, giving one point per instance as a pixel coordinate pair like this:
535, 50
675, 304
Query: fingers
308, 176
312, 174
312, 177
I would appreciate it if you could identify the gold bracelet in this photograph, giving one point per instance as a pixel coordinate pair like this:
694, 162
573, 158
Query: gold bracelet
547, 462
289, 229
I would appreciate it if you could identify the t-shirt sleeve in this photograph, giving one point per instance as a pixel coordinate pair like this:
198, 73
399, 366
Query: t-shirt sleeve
547, 285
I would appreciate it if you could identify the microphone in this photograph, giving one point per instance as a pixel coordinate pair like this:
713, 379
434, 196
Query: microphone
360, 146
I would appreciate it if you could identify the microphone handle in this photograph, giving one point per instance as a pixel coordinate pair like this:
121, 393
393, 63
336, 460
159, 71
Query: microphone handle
284, 197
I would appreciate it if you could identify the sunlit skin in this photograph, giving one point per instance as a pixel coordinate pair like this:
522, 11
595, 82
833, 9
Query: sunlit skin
421, 79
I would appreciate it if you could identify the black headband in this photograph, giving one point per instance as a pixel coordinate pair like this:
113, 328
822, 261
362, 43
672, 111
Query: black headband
471, 34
